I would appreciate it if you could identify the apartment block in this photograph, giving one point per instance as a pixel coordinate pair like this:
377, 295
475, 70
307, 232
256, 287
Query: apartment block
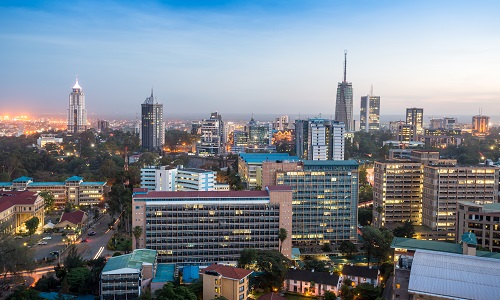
325, 199
206, 227
225, 281
481, 219
445, 185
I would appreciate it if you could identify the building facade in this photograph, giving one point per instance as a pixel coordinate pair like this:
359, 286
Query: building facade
415, 117
77, 114
344, 101
16, 207
445, 185
319, 139
370, 113
152, 127
325, 201
159, 178
212, 140
480, 125
203, 228
225, 281
481, 219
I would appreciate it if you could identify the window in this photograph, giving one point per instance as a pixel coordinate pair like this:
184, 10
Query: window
242, 296
242, 280
242, 288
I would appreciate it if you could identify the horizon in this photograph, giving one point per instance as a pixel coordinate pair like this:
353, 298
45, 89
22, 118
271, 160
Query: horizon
237, 57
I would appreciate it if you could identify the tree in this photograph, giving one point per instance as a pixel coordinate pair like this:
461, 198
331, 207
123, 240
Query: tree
137, 232
23, 293
348, 248
197, 288
274, 267
326, 247
406, 230
329, 296
365, 216
282, 235
73, 259
169, 292
48, 199
14, 257
247, 258
366, 291
346, 290
148, 159
32, 225
46, 284
376, 243
311, 263
77, 278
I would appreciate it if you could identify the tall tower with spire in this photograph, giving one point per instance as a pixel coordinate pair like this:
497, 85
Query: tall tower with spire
344, 102
77, 114
152, 127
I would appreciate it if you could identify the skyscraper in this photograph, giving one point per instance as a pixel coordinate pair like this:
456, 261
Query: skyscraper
319, 139
415, 117
77, 114
152, 128
370, 113
212, 136
344, 103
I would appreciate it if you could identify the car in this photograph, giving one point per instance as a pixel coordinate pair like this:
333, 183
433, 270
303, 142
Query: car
18, 237
91, 233
54, 253
42, 243
47, 238
83, 241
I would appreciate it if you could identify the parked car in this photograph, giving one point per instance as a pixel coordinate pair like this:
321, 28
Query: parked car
83, 241
42, 243
54, 253
47, 238
91, 233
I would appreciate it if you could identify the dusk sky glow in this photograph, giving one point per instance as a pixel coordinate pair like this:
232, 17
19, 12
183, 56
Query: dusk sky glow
276, 57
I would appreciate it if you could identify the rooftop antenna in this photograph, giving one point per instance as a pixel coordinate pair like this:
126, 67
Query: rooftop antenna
151, 92
345, 65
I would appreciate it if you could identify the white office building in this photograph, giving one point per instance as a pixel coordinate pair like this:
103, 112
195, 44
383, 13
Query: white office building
164, 178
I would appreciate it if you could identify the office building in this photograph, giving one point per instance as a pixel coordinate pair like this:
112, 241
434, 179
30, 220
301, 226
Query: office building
325, 201
77, 114
370, 113
74, 189
481, 219
203, 228
165, 178
415, 117
124, 276
159, 178
250, 167
259, 135
212, 136
45, 139
445, 185
16, 207
281, 123
152, 128
319, 139
102, 125
192, 179
225, 281
480, 125
397, 192
344, 101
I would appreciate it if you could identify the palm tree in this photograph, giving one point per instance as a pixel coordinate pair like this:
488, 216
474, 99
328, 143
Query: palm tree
282, 235
137, 232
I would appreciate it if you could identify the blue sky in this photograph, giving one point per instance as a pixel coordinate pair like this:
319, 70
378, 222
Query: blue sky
272, 57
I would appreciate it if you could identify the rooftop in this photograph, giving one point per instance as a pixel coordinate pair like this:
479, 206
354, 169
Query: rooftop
228, 271
317, 277
22, 179
352, 163
164, 273
261, 157
202, 194
74, 178
75, 217
360, 271
133, 260
454, 276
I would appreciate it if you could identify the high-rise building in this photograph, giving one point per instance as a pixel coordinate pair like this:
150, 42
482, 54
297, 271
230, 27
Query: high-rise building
325, 201
415, 117
212, 136
153, 128
77, 114
344, 102
319, 139
480, 125
203, 228
281, 123
370, 113
481, 219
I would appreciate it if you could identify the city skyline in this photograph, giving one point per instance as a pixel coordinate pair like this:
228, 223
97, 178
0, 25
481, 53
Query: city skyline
282, 58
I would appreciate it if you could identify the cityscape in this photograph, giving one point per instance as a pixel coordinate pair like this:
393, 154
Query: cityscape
243, 182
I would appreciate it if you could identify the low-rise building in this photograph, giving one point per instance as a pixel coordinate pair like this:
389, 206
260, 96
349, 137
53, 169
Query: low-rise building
72, 220
125, 276
225, 281
360, 274
16, 207
311, 283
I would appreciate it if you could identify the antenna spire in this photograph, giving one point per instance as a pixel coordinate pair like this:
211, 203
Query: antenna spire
151, 92
345, 65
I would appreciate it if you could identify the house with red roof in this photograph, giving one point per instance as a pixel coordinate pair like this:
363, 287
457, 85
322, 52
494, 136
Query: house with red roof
226, 281
72, 220
16, 207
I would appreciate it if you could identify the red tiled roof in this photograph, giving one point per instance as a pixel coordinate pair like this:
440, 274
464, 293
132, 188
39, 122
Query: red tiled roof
229, 272
271, 296
203, 194
11, 198
75, 217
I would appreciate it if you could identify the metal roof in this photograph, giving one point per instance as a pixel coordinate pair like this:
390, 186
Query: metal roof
133, 260
22, 179
352, 163
454, 276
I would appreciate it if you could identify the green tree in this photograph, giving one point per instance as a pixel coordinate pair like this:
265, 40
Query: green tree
406, 230
282, 235
73, 259
77, 279
14, 257
197, 288
346, 290
23, 293
348, 249
148, 159
366, 291
169, 292
371, 239
48, 199
329, 296
312, 263
274, 267
365, 216
247, 258
137, 232
47, 283
32, 225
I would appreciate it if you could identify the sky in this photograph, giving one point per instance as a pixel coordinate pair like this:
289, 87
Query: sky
273, 57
